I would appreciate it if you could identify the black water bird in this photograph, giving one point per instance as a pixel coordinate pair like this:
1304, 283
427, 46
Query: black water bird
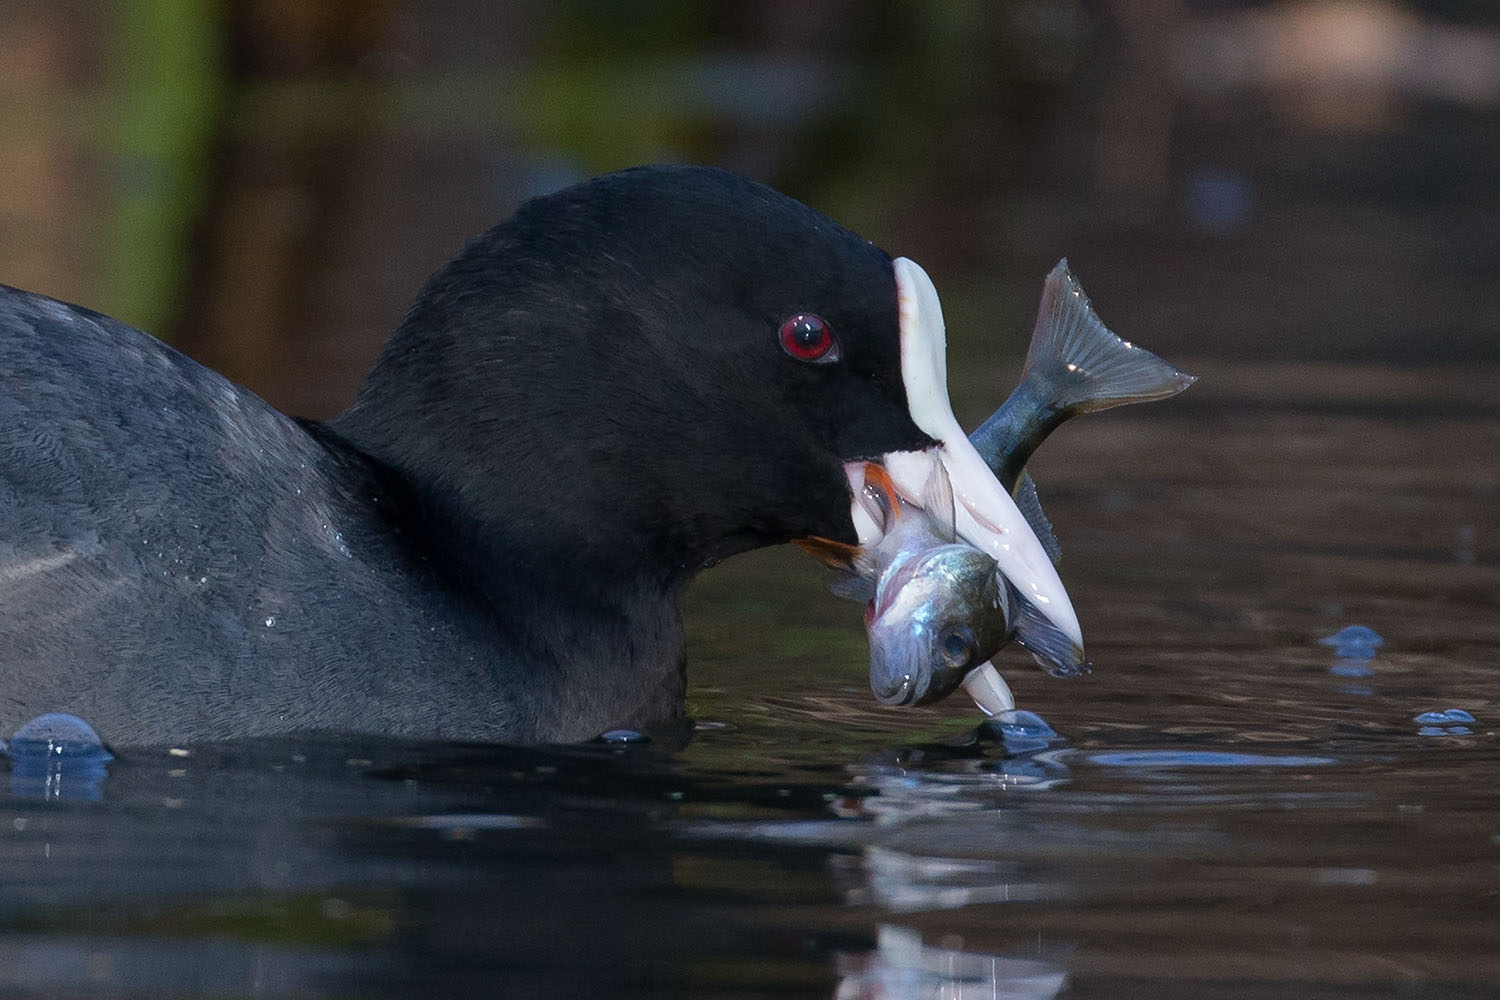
625, 382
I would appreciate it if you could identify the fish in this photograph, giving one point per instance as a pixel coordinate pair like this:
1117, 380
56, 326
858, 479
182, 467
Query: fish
937, 609
939, 606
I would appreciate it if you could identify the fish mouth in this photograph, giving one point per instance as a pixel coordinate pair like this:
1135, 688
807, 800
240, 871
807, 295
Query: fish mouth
901, 688
982, 683
985, 515
924, 686
899, 672
902, 695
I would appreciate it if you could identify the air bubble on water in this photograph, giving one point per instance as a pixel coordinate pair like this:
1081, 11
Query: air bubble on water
1354, 643
1020, 731
56, 756
271, 622
1445, 723
1452, 715
55, 733
1018, 722
623, 736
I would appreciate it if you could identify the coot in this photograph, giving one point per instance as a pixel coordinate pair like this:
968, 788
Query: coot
624, 383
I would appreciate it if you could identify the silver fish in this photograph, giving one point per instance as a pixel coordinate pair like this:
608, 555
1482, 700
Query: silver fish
938, 609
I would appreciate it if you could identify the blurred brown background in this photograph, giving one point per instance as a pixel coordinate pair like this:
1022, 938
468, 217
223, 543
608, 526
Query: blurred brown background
265, 183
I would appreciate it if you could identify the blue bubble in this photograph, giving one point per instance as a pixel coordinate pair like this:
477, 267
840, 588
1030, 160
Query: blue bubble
55, 732
1443, 718
58, 756
1021, 731
624, 736
1355, 642
1022, 723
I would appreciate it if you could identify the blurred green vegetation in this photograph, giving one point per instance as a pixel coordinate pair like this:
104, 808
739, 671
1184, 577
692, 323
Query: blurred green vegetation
984, 140
845, 112
169, 82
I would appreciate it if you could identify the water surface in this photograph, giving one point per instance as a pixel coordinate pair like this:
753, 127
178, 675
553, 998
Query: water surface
1229, 806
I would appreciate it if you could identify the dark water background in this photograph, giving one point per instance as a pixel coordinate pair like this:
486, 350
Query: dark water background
1297, 201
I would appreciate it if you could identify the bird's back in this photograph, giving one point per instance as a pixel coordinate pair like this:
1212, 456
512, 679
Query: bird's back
179, 559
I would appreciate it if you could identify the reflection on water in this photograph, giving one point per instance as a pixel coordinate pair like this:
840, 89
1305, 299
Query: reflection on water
1203, 758
901, 966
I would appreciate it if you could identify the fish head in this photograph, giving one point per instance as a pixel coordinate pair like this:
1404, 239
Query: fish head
937, 615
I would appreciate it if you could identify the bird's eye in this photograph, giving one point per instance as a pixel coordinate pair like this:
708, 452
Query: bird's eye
808, 338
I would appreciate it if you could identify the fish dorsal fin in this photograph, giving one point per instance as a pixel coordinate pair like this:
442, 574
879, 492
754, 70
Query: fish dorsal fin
1030, 506
937, 501
1093, 368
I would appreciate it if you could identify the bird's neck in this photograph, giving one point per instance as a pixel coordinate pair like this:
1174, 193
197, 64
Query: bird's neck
588, 620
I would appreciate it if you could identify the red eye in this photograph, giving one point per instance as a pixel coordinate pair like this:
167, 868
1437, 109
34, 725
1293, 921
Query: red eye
807, 338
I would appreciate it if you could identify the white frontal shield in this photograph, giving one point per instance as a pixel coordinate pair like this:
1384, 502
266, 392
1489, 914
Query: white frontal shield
986, 516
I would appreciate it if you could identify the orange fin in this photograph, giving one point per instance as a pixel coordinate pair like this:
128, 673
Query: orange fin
879, 481
836, 555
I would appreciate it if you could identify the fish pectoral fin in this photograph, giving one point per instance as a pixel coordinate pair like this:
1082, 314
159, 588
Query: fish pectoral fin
856, 587
1053, 650
849, 573
1030, 506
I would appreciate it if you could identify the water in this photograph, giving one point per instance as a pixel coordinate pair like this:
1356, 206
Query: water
1214, 812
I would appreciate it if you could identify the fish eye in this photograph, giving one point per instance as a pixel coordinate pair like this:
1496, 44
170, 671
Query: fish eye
958, 647
808, 337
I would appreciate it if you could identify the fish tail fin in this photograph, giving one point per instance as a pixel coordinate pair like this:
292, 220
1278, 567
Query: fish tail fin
1087, 367
1052, 649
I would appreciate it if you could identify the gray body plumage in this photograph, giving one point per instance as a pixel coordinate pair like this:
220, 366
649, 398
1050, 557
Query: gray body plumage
224, 620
